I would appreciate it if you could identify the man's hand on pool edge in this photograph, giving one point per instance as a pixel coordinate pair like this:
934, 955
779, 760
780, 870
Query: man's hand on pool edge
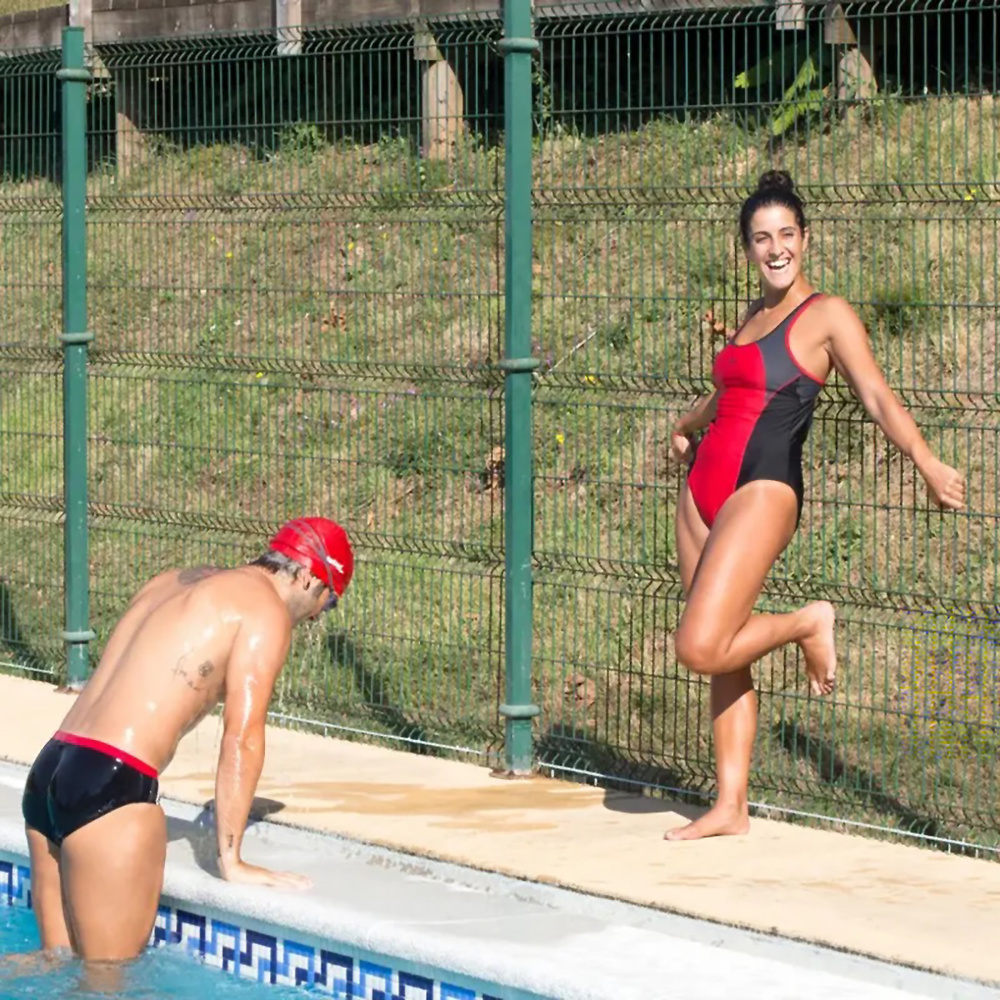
247, 874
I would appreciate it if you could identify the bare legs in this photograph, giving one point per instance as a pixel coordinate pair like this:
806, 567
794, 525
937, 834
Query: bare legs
98, 892
47, 903
46, 893
112, 874
723, 572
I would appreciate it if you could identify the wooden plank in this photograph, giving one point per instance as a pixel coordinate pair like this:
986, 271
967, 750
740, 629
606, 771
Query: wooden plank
837, 29
790, 15
79, 17
288, 24
425, 47
442, 110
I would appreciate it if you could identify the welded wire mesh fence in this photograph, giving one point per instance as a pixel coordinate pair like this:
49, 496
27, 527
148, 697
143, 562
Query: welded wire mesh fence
296, 278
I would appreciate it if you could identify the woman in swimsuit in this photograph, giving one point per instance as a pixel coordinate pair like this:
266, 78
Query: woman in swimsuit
741, 503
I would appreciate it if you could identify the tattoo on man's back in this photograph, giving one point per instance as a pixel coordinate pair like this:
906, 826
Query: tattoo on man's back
204, 671
196, 573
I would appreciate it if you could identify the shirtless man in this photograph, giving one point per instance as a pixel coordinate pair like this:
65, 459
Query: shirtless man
189, 639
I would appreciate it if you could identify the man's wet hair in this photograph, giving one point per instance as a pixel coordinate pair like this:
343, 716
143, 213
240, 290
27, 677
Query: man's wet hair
276, 563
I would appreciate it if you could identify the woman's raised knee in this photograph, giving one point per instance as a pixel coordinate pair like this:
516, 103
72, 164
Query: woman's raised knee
697, 650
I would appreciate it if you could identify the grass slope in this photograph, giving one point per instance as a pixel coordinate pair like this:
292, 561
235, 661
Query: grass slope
317, 330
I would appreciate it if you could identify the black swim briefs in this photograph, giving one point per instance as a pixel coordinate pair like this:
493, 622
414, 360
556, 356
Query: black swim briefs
76, 780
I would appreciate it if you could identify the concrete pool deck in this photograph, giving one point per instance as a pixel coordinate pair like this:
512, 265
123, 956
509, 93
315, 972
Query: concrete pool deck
518, 940
902, 904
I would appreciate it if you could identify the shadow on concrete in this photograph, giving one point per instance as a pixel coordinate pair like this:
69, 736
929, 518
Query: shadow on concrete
860, 783
627, 783
201, 835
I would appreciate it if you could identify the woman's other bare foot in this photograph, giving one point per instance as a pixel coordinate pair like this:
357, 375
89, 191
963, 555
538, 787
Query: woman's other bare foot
818, 646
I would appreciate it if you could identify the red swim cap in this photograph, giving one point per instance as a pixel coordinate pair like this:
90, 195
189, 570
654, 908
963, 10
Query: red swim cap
322, 546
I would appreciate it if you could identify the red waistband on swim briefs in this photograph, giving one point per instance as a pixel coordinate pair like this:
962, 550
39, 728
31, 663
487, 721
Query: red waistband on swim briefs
108, 750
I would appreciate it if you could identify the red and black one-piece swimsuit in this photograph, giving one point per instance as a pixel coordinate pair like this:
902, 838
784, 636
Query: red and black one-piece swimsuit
762, 417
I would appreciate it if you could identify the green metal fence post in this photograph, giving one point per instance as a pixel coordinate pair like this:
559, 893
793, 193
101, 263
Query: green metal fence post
74, 77
517, 46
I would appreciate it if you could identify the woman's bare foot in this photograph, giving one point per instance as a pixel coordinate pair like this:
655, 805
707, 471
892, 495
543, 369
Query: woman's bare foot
722, 820
818, 646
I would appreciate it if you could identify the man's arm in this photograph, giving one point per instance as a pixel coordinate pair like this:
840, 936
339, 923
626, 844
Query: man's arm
256, 659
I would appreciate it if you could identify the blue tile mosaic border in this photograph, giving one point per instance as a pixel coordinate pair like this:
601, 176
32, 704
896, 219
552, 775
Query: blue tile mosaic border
15, 884
269, 958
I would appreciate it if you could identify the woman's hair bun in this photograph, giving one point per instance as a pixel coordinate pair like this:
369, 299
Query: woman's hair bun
775, 187
776, 180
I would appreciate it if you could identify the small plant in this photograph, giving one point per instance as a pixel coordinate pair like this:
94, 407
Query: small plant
951, 688
896, 312
431, 174
803, 94
231, 186
404, 462
543, 116
157, 144
651, 311
301, 141
393, 148
216, 334
617, 334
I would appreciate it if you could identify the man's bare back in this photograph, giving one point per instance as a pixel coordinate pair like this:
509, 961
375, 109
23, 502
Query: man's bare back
165, 665
189, 640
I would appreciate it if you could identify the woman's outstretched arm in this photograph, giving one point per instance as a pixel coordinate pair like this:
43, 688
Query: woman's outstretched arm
850, 350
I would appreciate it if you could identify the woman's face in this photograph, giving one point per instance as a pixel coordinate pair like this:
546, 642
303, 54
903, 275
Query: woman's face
776, 246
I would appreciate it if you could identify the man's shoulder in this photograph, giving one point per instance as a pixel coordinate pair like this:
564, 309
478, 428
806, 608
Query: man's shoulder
241, 589
195, 574
244, 580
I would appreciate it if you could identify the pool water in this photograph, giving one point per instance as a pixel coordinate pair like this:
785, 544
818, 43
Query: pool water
159, 974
